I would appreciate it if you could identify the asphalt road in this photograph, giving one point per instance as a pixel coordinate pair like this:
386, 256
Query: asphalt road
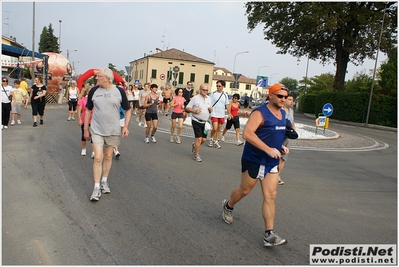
165, 208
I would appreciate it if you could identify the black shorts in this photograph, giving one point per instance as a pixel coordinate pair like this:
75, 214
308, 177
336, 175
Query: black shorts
166, 100
234, 121
151, 116
177, 116
72, 105
83, 133
255, 170
198, 129
135, 103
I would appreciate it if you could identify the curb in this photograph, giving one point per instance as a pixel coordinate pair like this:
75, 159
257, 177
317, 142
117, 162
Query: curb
372, 126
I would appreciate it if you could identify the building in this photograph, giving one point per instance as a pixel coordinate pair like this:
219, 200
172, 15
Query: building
173, 67
177, 67
245, 84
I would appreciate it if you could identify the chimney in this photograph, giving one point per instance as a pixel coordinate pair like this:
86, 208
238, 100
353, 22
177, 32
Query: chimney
150, 52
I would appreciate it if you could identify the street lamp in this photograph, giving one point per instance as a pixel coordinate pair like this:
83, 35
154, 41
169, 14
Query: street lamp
375, 67
261, 67
59, 37
234, 67
70, 52
271, 76
73, 69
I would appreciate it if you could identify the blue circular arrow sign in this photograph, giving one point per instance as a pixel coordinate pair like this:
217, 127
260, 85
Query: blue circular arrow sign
327, 110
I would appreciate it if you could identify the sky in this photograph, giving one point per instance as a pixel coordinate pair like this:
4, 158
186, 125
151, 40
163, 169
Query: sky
121, 32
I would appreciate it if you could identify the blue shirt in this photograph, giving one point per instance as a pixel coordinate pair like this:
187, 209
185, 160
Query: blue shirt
272, 133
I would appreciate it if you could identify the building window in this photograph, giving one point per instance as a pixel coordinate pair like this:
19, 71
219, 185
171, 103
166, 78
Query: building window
181, 77
193, 66
181, 64
206, 80
154, 74
169, 75
247, 87
192, 77
170, 62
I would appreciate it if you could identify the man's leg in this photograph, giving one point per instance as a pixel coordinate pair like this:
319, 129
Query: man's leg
269, 190
197, 145
107, 160
97, 163
247, 183
217, 133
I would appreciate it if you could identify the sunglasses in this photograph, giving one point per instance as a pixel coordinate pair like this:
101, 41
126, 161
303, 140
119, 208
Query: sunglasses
218, 86
281, 96
5, 81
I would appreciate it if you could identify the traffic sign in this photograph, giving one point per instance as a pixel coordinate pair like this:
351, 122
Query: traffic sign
176, 69
162, 76
261, 81
327, 109
174, 83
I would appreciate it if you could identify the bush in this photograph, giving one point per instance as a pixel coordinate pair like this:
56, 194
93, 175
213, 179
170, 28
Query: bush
353, 107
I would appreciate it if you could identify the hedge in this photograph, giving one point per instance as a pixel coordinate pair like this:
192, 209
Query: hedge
353, 107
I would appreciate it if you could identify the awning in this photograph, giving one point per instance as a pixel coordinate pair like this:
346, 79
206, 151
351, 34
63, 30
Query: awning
13, 51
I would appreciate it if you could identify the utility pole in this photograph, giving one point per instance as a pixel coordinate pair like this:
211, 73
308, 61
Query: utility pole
59, 38
33, 43
7, 23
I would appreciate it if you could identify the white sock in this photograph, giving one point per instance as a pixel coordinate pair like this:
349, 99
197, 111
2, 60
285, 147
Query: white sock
97, 185
104, 179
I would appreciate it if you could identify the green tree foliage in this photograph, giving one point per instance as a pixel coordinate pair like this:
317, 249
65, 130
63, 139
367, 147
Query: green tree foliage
361, 82
389, 74
321, 83
113, 67
292, 84
48, 41
26, 73
341, 32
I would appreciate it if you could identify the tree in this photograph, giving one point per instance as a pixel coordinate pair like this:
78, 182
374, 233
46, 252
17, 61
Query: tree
361, 82
48, 41
113, 67
321, 83
292, 84
389, 74
341, 32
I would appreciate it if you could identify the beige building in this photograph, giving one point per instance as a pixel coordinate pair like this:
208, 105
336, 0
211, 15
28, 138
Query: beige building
161, 66
245, 84
172, 66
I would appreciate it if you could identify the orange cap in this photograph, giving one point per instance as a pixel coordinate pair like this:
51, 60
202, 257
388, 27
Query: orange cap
275, 87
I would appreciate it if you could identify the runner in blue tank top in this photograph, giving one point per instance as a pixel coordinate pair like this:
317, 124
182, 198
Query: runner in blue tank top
264, 135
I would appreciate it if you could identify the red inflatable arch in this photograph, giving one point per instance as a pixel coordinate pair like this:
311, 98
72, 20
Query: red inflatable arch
93, 72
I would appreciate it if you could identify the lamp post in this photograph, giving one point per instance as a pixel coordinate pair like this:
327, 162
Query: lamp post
234, 67
375, 67
261, 67
73, 69
59, 37
271, 76
70, 52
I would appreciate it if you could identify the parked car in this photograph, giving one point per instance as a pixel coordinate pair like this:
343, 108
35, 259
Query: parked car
257, 102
